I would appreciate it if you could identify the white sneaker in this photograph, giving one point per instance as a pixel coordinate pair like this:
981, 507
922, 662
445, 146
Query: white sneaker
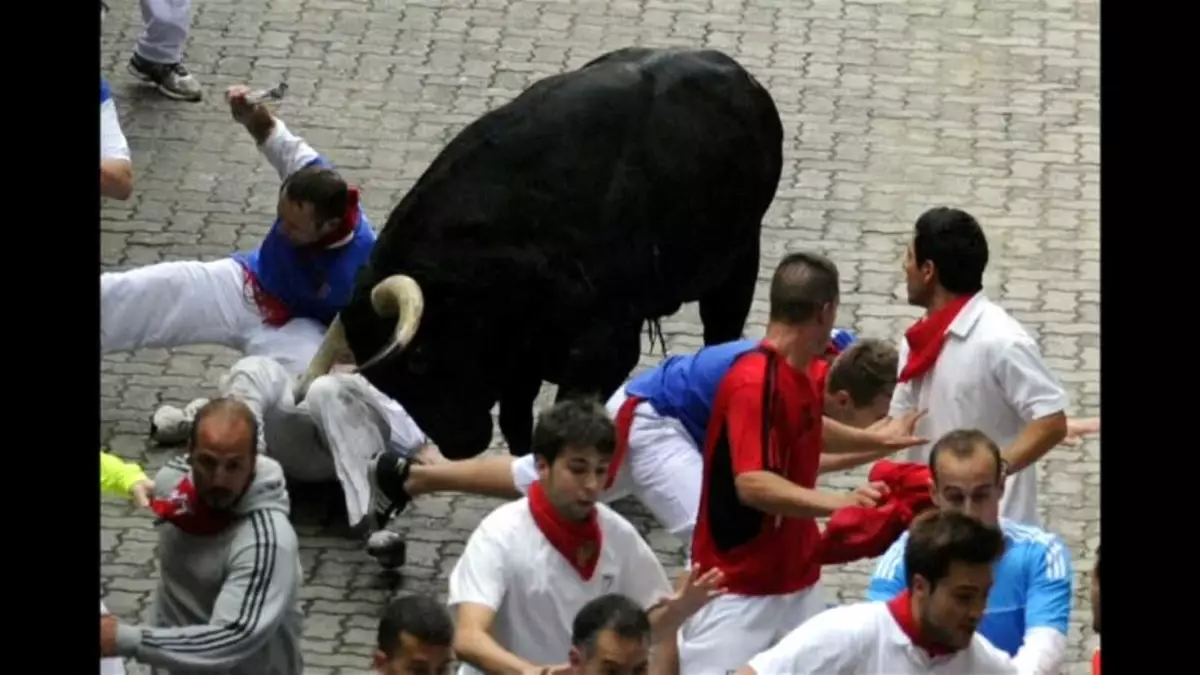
171, 425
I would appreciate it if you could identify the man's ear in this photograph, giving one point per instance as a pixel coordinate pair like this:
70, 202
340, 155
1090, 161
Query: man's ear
575, 658
842, 398
380, 660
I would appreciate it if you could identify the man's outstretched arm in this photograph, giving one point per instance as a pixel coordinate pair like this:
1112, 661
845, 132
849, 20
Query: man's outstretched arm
286, 152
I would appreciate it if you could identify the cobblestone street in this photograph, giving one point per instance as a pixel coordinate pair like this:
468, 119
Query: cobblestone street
889, 107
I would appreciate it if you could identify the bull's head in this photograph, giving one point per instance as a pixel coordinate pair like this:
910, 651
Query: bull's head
398, 296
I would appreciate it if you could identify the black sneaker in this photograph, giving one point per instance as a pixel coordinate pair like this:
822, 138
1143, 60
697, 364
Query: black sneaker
172, 79
387, 474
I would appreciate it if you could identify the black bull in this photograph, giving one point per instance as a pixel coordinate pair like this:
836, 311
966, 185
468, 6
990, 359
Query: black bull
549, 231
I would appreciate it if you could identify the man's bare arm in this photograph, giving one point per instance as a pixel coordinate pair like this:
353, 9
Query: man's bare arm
771, 493
474, 644
849, 460
116, 178
1036, 439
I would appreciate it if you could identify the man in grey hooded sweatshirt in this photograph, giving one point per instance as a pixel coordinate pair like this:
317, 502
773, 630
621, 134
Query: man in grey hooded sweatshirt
225, 543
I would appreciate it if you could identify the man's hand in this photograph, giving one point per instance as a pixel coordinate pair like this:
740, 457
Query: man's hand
108, 635
242, 112
1078, 429
695, 590
142, 492
561, 669
900, 432
869, 495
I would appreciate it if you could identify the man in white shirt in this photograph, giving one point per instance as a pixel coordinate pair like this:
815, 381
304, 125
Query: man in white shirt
970, 364
929, 629
116, 168
1029, 606
610, 636
533, 564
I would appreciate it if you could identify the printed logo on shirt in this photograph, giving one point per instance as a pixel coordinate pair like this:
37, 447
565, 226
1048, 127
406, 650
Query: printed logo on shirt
606, 582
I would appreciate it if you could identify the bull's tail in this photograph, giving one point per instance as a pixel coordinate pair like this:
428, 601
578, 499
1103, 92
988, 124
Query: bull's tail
654, 332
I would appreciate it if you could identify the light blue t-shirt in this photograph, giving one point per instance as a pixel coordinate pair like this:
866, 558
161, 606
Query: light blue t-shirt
1032, 587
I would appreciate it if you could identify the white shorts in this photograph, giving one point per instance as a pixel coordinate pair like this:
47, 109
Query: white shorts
663, 468
173, 304
729, 631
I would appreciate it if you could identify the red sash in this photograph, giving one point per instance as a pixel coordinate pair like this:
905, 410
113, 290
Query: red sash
623, 422
579, 543
183, 509
927, 336
901, 609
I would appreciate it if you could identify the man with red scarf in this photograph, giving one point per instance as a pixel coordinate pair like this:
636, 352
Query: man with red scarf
275, 300
229, 562
970, 364
927, 629
533, 564
762, 454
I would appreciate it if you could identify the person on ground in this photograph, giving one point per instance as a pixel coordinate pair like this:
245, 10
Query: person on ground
928, 629
538, 561
1029, 607
121, 479
275, 300
970, 363
345, 431
415, 637
758, 503
229, 563
116, 165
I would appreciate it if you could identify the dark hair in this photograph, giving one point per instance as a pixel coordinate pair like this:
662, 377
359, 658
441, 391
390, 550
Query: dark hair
803, 283
613, 612
939, 538
420, 616
867, 369
321, 187
954, 242
962, 443
1097, 571
227, 408
577, 423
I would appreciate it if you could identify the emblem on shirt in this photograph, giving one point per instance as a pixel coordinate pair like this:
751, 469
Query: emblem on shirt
606, 582
584, 554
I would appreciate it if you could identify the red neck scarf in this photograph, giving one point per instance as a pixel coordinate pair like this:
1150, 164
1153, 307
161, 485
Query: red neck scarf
901, 609
927, 336
1096, 662
579, 543
184, 509
349, 222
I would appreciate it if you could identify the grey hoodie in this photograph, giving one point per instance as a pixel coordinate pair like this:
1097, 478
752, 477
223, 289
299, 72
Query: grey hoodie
226, 603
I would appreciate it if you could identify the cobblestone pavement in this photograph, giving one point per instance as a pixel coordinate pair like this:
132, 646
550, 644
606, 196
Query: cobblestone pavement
891, 106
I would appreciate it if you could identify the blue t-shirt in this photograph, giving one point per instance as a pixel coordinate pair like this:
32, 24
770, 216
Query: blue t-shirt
683, 387
311, 284
1032, 587
105, 91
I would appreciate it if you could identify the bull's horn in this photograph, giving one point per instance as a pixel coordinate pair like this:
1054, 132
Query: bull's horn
332, 347
397, 294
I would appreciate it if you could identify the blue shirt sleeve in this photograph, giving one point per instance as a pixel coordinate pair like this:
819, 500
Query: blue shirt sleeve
1048, 600
888, 580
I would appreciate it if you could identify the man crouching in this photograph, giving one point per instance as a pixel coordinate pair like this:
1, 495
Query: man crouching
225, 543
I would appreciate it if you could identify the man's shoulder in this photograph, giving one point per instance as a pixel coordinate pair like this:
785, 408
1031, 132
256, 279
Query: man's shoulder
1030, 545
613, 524
506, 520
269, 528
857, 617
988, 656
998, 328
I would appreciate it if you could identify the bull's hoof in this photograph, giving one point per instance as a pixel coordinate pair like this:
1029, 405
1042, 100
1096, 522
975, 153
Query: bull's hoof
388, 548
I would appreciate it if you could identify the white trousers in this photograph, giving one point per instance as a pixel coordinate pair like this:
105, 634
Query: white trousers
333, 434
165, 30
173, 304
663, 468
732, 629
113, 665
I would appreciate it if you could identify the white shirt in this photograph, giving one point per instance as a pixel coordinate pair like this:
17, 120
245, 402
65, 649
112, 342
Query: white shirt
864, 639
112, 141
511, 567
989, 376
